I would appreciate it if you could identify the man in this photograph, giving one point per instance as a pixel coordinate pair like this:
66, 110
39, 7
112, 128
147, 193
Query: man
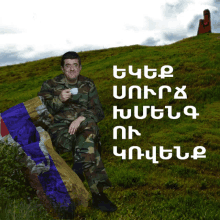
75, 125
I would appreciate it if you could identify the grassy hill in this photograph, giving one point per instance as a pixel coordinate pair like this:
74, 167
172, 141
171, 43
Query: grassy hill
169, 189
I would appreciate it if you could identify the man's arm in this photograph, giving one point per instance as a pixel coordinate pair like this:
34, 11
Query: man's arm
94, 109
52, 101
75, 124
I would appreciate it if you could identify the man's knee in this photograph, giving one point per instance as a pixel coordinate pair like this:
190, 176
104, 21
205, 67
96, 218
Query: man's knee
64, 142
90, 126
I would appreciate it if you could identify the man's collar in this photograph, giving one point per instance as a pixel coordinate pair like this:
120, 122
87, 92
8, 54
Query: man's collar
61, 79
72, 83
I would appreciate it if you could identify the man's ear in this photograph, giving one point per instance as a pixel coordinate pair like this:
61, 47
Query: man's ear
62, 69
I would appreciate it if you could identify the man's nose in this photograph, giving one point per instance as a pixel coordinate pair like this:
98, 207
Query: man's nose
71, 67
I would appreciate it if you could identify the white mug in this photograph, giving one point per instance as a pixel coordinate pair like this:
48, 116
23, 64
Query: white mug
74, 91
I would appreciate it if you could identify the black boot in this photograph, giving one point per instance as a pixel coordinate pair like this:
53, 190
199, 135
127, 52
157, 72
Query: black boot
101, 202
77, 168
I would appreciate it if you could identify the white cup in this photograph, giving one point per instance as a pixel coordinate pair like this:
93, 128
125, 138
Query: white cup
74, 91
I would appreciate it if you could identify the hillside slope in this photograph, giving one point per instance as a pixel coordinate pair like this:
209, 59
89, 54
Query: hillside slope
171, 188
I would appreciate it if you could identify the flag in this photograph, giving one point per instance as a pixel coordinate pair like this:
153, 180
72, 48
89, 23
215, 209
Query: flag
62, 187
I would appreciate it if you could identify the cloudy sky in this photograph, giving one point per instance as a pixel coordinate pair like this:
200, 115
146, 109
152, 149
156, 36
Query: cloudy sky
32, 30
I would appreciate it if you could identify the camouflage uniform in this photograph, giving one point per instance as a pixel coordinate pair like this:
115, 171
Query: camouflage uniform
83, 143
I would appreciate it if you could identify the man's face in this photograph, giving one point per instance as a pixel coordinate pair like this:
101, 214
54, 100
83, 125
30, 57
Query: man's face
71, 68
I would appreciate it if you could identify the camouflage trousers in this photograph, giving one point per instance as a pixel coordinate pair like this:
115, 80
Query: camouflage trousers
84, 146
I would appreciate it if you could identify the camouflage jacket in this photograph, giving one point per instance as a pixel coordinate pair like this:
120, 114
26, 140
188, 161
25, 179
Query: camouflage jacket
86, 103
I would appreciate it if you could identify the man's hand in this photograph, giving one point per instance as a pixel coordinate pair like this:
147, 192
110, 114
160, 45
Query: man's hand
65, 95
75, 124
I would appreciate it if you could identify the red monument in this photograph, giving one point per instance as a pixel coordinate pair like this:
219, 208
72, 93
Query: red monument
205, 24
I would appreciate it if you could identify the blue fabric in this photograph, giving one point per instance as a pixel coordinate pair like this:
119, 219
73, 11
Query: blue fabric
23, 131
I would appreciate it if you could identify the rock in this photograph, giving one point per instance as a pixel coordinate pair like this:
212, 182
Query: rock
58, 187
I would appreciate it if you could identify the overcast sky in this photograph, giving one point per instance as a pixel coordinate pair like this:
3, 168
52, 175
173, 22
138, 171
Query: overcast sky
32, 30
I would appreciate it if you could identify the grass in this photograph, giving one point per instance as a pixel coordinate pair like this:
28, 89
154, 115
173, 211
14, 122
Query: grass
171, 189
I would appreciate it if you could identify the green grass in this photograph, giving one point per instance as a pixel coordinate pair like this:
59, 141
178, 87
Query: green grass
171, 189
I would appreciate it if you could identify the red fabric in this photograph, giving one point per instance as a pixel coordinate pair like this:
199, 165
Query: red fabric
4, 130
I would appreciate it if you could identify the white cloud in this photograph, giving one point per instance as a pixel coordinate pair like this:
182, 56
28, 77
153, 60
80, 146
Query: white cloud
53, 27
